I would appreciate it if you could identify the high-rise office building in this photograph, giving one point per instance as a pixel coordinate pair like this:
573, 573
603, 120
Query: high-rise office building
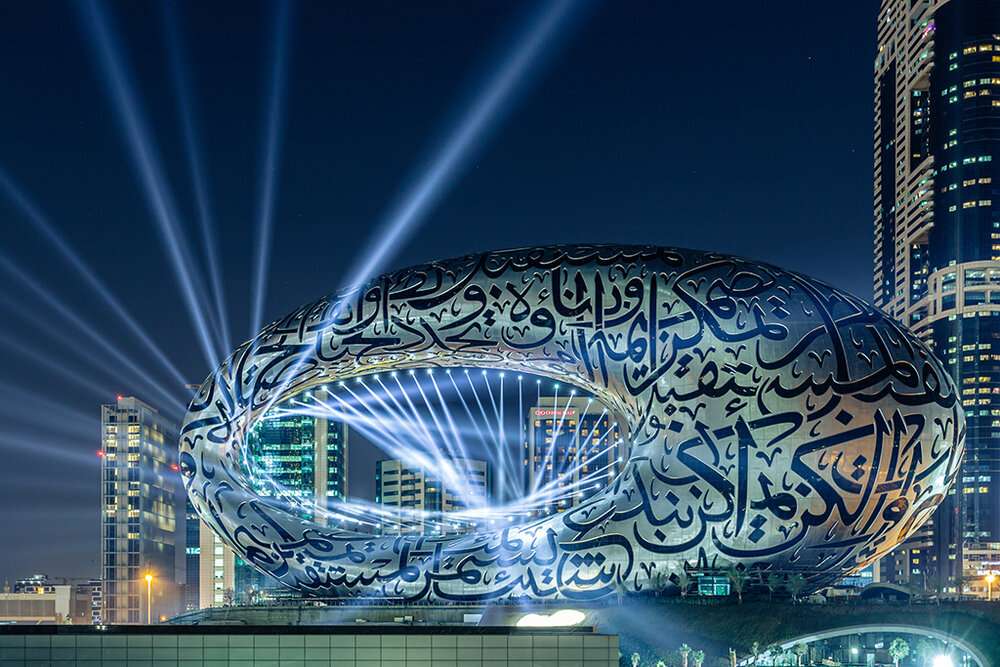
403, 488
574, 449
303, 454
216, 570
192, 547
192, 557
300, 456
937, 242
139, 517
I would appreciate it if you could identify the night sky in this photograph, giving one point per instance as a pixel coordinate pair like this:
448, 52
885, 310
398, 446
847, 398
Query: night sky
743, 127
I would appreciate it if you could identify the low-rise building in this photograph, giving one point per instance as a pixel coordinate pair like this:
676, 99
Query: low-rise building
981, 570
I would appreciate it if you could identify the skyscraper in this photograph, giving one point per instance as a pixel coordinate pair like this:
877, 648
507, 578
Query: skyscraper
216, 570
192, 547
304, 454
403, 488
192, 557
298, 455
574, 448
139, 517
937, 241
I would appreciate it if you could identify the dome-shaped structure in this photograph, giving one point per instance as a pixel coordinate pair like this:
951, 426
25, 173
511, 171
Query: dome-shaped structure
773, 421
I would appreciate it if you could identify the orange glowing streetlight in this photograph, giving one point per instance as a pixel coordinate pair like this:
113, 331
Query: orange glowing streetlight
990, 578
149, 599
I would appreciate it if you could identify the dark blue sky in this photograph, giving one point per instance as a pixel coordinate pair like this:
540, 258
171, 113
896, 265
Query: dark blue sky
743, 127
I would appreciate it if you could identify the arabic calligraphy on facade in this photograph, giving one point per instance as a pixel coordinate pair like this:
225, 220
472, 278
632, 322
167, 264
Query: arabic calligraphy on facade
774, 421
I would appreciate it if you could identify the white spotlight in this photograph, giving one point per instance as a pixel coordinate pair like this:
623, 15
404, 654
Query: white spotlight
943, 660
561, 618
491, 102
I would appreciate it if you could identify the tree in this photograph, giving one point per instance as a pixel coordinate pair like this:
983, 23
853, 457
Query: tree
737, 580
755, 651
635, 660
697, 657
898, 649
799, 650
660, 663
683, 580
659, 583
774, 582
620, 591
251, 597
796, 584
685, 651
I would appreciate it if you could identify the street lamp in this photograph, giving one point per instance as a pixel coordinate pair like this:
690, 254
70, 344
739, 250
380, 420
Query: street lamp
149, 599
990, 578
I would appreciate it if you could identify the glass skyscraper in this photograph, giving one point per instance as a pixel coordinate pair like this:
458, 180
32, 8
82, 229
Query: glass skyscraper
574, 447
937, 242
192, 556
304, 455
140, 496
296, 456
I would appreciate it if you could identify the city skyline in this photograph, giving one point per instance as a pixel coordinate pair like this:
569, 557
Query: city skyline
676, 194
505, 332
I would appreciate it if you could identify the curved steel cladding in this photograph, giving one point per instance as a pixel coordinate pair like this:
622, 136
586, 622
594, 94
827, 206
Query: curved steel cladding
774, 422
